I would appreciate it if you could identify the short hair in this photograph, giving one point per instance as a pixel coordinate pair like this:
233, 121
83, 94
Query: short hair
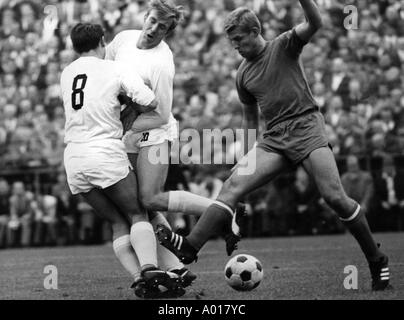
242, 18
86, 36
167, 10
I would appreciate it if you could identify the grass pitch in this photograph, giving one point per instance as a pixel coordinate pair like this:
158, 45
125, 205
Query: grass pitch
294, 268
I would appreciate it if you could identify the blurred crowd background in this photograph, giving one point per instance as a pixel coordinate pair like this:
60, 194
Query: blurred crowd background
355, 75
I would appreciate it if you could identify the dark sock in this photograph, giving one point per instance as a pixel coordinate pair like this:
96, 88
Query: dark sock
359, 228
210, 224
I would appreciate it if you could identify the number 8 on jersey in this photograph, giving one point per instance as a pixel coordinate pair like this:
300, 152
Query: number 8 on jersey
78, 90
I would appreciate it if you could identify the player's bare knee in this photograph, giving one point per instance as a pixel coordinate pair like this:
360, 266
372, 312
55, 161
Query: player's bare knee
335, 198
139, 218
119, 229
229, 193
148, 201
135, 209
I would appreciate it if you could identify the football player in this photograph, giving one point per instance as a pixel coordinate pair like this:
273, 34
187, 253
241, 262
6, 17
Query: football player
271, 78
145, 52
95, 160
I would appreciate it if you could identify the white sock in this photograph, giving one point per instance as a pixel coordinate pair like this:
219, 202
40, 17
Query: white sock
126, 255
167, 260
187, 202
144, 242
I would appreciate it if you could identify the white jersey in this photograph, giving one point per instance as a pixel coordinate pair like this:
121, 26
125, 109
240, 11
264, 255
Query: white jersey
90, 88
156, 68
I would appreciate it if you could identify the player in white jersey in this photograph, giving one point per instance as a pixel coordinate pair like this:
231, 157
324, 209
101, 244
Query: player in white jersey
95, 160
146, 52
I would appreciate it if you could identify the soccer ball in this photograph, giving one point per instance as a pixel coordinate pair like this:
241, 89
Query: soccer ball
243, 272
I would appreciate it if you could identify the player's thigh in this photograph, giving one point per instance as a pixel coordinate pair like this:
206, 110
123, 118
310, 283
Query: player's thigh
264, 166
104, 207
152, 168
321, 166
124, 195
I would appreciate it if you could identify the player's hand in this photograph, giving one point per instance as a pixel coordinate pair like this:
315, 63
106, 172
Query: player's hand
128, 117
142, 109
125, 100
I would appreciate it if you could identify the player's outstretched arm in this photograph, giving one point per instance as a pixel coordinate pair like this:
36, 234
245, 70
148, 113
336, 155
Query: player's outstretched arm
313, 21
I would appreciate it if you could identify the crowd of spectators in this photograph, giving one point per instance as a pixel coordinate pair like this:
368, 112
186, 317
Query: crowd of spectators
55, 218
353, 65
291, 205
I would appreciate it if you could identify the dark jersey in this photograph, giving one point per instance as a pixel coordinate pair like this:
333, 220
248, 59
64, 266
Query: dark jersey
275, 80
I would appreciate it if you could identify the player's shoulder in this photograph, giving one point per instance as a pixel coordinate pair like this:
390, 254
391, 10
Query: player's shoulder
127, 34
165, 47
287, 37
67, 70
115, 66
165, 55
284, 35
91, 65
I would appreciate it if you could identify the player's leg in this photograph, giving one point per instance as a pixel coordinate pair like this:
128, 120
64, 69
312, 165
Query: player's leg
152, 177
124, 195
322, 167
151, 194
268, 166
219, 215
166, 259
120, 230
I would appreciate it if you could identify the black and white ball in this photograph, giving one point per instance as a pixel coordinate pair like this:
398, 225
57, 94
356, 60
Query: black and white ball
243, 272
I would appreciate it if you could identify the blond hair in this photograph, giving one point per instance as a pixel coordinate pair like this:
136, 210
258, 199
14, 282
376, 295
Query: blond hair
166, 9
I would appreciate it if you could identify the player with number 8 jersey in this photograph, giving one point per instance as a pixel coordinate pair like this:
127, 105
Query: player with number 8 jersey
90, 87
95, 160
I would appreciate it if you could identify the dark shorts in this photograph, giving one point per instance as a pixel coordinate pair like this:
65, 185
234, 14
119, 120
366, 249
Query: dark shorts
296, 138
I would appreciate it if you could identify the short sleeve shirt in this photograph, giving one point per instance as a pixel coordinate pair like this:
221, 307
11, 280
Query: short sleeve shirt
275, 80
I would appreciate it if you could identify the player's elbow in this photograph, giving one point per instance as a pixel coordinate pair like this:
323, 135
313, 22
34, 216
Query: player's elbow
316, 23
153, 105
164, 118
319, 23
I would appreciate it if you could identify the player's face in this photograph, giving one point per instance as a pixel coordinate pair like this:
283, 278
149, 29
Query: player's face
243, 42
155, 29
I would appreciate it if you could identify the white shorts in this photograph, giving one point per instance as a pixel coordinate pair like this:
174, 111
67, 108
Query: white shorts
133, 141
97, 164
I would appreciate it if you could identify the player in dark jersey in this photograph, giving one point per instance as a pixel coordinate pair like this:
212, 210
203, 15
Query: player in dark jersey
271, 77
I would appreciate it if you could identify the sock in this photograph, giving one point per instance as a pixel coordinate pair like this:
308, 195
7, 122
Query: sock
144, 242
127, 256
359, 228
166, 259
187, 202
210, 224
